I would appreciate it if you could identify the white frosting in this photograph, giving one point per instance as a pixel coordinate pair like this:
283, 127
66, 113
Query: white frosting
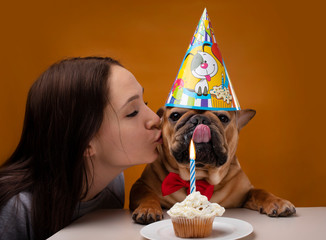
196, 205
221, 92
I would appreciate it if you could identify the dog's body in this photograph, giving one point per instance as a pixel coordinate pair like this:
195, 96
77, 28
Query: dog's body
216, 137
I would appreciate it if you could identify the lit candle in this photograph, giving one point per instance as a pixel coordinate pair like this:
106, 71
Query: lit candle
192, 156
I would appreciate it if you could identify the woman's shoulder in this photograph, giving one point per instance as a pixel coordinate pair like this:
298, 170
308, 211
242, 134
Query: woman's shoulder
15, 217
20, 202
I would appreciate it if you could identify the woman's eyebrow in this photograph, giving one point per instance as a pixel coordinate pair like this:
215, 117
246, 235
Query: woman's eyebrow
130, 100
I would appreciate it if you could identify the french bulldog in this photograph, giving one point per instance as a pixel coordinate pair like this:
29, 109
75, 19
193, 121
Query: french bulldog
215, 135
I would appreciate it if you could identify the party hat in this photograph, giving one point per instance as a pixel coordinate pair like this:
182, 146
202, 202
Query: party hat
203, 81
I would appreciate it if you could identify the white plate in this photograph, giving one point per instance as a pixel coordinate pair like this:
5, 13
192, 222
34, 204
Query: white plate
223, 228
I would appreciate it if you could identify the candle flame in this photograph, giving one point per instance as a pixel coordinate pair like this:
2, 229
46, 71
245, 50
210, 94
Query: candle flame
192, 150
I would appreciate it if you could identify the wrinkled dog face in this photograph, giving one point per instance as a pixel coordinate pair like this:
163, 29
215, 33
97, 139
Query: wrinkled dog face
213, 134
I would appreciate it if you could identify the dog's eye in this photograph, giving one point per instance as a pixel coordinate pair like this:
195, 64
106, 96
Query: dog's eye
175, 116
223, 118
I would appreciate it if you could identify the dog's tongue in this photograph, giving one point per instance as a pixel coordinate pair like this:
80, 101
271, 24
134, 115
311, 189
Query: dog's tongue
202, 134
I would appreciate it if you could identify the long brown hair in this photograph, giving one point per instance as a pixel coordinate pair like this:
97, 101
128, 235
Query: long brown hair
64, 110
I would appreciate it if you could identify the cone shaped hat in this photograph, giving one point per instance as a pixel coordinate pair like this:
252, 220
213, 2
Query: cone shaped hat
203, 81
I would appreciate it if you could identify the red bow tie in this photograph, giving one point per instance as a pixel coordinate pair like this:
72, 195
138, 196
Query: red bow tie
173, 182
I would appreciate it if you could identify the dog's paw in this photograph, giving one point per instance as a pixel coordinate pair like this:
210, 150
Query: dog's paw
145, 215
278, 208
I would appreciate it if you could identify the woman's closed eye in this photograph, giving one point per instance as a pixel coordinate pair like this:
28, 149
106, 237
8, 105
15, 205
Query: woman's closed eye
134, 113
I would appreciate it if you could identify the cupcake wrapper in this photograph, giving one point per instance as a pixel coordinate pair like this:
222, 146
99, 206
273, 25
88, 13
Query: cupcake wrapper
219, 103
197, 227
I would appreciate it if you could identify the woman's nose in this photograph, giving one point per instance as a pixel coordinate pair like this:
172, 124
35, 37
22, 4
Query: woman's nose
153, 120
204, 65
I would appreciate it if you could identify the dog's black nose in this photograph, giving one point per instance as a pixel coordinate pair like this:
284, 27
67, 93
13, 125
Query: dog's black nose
200, 119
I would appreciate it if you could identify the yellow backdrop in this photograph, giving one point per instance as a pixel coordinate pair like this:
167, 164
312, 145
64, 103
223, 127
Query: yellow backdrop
274, 52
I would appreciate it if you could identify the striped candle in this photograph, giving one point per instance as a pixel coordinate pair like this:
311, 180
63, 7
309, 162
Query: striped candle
192, 156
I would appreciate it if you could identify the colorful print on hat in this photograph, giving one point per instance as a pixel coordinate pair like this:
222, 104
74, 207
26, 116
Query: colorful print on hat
203, 81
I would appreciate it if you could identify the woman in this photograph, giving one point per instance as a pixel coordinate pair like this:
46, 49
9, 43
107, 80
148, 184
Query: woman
85, 122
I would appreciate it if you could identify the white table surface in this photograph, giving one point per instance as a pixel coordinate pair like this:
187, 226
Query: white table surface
308, 223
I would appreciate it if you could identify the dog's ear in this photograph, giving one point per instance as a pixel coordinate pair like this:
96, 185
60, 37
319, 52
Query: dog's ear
160, 112
244, 116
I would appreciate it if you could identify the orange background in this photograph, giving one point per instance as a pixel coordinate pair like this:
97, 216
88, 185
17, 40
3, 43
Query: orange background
274, 52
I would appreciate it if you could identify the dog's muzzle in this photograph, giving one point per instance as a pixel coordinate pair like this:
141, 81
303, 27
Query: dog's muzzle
209, 143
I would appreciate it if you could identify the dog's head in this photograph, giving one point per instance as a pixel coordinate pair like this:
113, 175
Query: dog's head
215, 134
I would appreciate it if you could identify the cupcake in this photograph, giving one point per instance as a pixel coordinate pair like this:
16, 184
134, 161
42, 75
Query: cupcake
194, 216
221, 97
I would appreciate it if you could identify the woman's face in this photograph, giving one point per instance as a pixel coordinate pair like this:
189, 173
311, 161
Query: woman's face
130, 132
